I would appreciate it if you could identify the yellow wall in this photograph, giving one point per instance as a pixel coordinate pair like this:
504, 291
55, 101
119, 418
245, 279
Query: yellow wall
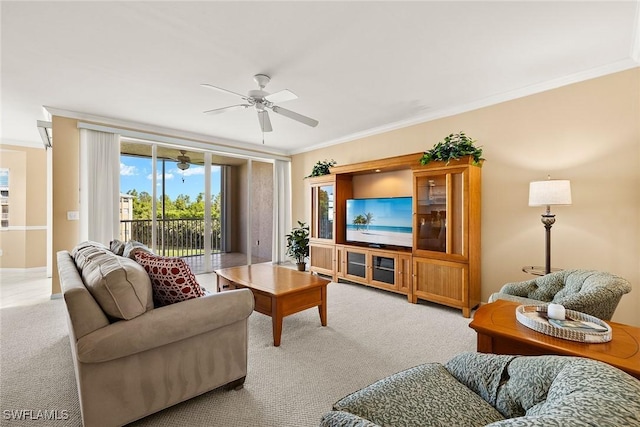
66, 189
24, 243
587, 132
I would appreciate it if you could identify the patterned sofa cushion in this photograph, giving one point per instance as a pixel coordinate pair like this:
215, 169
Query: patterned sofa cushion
119, 285
425, 395
592, 391
527, 382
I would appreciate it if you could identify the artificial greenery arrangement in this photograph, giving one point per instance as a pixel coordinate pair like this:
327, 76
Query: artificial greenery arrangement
298, 244
453, 147
322, 168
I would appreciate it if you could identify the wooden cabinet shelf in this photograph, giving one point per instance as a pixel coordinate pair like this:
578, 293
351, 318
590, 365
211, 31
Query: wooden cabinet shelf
379, 268
443, 265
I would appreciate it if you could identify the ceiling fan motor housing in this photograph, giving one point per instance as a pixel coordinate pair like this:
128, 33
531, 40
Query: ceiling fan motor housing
258, 94
262, 80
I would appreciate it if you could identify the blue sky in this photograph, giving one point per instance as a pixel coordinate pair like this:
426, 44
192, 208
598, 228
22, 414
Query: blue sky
135, 173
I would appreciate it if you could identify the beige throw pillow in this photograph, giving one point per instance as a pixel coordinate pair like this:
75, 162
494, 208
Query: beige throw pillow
120, 285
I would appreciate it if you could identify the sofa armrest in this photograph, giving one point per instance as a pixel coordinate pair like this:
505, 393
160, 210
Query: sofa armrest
519, 289
165, 325
344, 419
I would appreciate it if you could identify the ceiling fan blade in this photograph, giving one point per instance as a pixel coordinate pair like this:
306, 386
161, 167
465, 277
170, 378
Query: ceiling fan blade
225, 109
265, 122
281, 96
246, 98
295, 116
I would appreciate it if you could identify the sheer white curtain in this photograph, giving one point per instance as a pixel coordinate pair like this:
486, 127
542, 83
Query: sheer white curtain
281, 209
99, 186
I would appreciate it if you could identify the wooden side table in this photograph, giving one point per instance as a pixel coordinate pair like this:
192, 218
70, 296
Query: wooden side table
500, 332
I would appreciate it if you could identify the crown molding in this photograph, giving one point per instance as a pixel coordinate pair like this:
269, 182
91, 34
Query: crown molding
162, 131
615, 67
635, 39
26, 144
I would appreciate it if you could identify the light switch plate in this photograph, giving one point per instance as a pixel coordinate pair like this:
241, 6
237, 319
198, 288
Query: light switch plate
73, 215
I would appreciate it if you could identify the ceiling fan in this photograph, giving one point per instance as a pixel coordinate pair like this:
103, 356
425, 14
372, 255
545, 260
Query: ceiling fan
183, 160
263, 101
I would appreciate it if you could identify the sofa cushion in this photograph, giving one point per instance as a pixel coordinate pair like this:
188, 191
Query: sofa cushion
171, 278
608, 391
121, 286
117, 246
527, 383
482, 373
408, 397
133, 246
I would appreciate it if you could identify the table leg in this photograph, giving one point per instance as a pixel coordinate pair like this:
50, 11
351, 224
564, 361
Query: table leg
322, 308
484, 343
276, 321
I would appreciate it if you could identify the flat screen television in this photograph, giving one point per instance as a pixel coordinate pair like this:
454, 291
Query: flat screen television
380, 221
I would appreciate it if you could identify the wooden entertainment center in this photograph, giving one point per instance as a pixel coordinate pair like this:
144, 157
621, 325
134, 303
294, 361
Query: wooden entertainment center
443, 263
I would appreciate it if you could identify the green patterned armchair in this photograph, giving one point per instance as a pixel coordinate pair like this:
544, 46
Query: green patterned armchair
476, 389
592, 292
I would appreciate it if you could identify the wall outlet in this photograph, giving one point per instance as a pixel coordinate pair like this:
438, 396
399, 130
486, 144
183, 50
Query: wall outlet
0, 252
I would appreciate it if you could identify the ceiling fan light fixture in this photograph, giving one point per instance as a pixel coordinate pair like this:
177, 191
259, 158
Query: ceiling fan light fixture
183, 160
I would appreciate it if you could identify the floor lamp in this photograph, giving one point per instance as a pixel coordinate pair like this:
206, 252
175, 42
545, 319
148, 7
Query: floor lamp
547, 193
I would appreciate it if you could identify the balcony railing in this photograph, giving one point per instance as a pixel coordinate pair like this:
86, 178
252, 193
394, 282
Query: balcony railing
174, 237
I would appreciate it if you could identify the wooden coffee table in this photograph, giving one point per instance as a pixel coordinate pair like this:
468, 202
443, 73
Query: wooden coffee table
278, 291
500, 332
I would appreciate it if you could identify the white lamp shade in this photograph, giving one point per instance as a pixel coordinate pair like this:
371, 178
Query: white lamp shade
550, 192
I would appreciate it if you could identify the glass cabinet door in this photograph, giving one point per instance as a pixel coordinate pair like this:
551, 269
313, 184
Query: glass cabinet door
323, 199
439, 212
357, 264
383, 269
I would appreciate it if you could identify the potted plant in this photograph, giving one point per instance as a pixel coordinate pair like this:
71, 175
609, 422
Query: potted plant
298, 244
322, 168
453, 147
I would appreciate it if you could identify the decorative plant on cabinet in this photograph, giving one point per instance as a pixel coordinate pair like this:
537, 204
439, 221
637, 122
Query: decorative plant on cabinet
453, 147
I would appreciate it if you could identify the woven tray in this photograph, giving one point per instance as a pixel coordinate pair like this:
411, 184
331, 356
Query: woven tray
529, 316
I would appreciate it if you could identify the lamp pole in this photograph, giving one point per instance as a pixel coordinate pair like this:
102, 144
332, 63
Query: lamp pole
547, 193
548, 219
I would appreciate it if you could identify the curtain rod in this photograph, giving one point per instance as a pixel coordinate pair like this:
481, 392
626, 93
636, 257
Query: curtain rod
213, 148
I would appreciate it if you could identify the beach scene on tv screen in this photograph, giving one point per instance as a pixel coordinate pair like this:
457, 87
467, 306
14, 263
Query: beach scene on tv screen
384, 221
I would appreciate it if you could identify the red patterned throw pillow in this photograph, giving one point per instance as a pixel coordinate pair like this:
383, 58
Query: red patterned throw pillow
171, 278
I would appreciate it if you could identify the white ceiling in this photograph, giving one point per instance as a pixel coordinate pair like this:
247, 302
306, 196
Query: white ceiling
357, 67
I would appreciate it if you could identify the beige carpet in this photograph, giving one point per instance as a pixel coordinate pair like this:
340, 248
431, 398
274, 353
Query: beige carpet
370, 334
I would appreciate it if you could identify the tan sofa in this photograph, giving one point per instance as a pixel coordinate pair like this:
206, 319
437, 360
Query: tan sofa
128, 369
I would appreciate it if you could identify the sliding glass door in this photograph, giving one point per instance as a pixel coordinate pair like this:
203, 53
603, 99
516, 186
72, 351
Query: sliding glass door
170, 201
